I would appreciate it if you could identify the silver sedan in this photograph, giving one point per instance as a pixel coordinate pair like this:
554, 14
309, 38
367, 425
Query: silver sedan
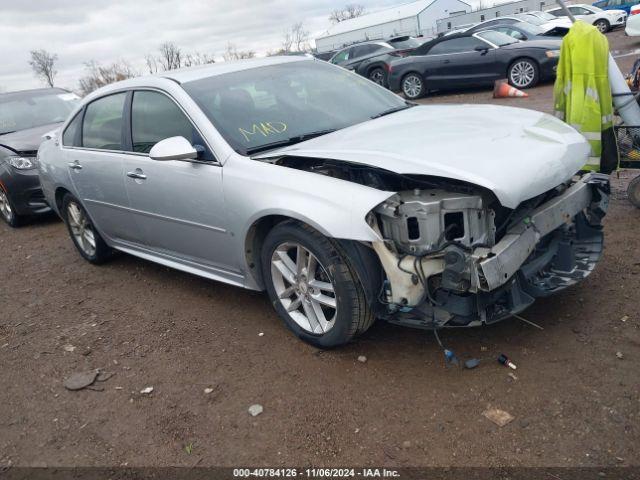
343, 201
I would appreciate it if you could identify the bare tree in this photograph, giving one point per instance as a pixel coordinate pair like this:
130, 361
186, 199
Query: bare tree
349, 11
197, 58
296, 39
170, 56
232, 53
43, 65
98, 76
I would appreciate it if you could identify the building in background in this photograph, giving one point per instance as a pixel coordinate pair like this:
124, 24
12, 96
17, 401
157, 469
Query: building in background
455, 20
414, 19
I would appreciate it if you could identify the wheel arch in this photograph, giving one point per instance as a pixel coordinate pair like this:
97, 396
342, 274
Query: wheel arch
59, 196
361, 259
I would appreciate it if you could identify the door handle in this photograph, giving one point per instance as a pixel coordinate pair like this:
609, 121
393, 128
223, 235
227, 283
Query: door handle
137, 175
446, 61
75, 165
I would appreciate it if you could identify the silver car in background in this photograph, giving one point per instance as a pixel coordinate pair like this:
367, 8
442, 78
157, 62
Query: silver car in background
340, 199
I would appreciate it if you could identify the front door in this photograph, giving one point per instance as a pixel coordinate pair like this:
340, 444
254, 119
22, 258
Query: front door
178, 205
95, 162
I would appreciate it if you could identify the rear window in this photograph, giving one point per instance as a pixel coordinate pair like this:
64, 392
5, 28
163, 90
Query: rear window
71, 136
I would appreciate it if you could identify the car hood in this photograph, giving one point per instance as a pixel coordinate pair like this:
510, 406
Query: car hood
26, 140
516, 153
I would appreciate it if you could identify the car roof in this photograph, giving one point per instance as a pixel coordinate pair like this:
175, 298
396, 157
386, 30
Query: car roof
451, 36
31, 93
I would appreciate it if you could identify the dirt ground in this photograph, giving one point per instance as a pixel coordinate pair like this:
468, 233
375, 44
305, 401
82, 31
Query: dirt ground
574, 401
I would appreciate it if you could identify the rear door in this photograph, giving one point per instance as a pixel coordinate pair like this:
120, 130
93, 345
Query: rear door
178, 205
95, 161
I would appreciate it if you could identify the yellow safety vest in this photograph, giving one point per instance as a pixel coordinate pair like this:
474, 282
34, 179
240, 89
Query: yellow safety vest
582, 94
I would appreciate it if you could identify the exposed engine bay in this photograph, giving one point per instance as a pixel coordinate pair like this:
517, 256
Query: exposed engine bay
453, 256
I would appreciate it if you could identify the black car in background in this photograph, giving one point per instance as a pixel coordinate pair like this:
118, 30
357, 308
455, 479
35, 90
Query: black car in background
25, 117
472, 60
370, 59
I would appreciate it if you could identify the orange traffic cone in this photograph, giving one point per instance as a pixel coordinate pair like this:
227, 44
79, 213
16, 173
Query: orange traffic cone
502, 89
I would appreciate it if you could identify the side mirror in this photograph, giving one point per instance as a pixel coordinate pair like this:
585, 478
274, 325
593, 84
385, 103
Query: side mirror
482, 50
174, 148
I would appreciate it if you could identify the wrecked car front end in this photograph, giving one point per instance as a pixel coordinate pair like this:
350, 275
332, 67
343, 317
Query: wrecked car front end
459, 259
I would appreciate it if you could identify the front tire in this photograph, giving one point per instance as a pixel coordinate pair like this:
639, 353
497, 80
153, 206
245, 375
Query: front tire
523, 73
7, 211
413, 86
602, 25
312, 286
85, 237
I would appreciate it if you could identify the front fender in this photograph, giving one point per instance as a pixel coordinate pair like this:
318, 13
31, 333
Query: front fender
337, 208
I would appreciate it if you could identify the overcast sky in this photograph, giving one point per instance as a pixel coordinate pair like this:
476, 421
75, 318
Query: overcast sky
109, 30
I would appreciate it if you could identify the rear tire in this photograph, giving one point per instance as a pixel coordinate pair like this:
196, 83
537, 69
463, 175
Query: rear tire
7, 211
602, 25
413, 86
85, 237
305, 273
379, 76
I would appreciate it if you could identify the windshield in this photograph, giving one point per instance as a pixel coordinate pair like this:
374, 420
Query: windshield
20, 111
255, 108
531, 29
497, 38
546, 16
533, 19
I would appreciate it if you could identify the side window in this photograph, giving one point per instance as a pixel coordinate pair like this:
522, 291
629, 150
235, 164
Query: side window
71, 135
102, 127
457, 45
154, 117
556, 13
362, 50
341, 57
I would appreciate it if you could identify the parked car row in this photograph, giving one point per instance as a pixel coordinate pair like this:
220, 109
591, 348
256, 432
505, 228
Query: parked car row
344, 202
471, 58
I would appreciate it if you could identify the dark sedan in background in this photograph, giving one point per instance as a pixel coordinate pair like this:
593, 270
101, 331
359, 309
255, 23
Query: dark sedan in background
370, 59
25, 117
472, 60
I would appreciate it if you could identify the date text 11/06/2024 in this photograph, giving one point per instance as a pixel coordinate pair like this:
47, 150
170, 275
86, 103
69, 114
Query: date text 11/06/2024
315, 472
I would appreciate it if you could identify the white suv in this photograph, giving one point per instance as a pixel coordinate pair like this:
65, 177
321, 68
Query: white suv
604, 20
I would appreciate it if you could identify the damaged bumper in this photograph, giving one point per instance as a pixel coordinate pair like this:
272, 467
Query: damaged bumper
555, 246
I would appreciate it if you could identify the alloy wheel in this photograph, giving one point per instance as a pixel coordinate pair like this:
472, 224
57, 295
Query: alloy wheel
602, 27
81, 229
522, 74
5, 207
412, 86
304, 288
